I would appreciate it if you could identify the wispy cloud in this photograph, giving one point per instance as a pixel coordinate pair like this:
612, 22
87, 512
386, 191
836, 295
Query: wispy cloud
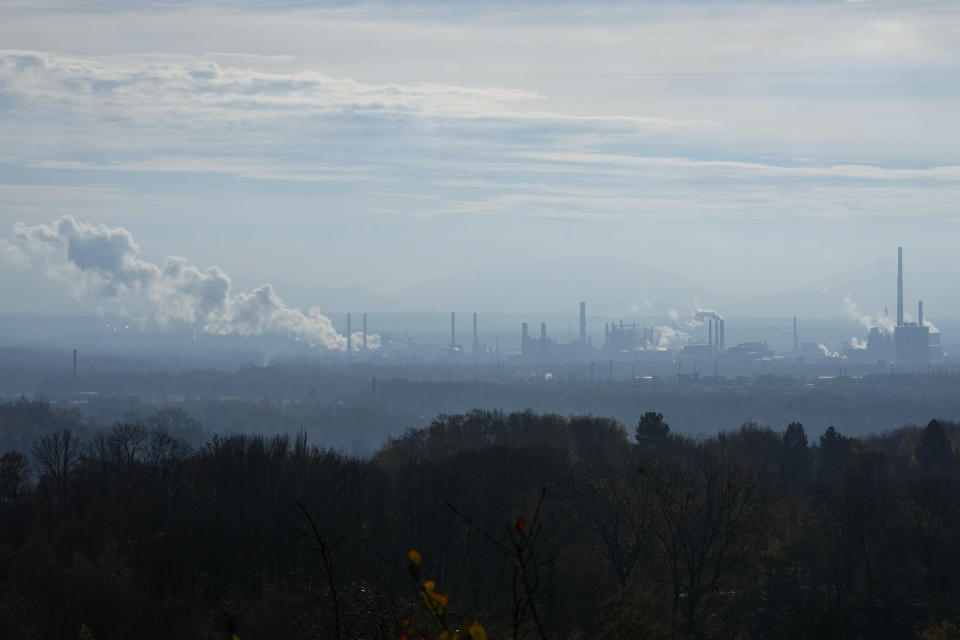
750, 169
201, 90
218, 88
241, 167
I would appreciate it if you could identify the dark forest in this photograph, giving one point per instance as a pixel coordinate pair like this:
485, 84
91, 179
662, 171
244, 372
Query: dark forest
529, 525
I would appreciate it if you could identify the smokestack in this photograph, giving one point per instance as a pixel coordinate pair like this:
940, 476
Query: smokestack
74, 363
364, 332
899, 286
796, 336
716, 331
349, 338
920, 313
710, 333
722, 343
523, 339
543, 331
583, 323
453, 329
606, 333
476, 336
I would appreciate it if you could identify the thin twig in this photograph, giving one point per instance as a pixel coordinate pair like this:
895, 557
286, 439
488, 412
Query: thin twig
327, 566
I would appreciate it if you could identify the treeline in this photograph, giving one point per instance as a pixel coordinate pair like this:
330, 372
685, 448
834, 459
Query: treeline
356, 407
539, 526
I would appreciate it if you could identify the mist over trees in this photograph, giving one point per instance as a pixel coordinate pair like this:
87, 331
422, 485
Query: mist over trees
356, 408
143, 529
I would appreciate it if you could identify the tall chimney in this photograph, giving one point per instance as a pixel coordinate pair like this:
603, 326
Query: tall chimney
453, 329
920, 313
583, 323
716, 334
543, 331
899, 286
476, 336
349, 338
364, 332
722, 346
523, 339
710, 333
74, 363
796, 336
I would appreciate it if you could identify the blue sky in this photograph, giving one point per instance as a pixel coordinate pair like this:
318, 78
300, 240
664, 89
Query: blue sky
496, 156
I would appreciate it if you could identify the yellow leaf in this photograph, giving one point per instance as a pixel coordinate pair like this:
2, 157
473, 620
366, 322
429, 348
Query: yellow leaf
476, 631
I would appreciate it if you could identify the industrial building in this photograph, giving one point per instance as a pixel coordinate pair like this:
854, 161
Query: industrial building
697, 348
623, 339
912, 346
546, 350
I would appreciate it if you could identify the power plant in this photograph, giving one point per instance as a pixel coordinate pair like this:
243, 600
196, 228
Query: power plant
692, 346
912, 346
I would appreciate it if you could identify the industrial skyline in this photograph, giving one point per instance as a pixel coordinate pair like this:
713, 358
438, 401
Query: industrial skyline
106, 264
699, 343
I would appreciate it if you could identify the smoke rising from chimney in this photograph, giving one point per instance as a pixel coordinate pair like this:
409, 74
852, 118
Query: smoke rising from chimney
829, 354
670, 338
105, 261
706, 314
868, 320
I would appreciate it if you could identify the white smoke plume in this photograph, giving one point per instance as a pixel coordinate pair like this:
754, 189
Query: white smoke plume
868, 320
641, 306
106, 261
670, 338
705, 314
857, 343
829, 354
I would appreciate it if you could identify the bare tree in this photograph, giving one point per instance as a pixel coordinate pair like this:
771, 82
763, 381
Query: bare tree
14, 473
708, 508
520, 549
127, 441
616, 510
58, 454
163, 451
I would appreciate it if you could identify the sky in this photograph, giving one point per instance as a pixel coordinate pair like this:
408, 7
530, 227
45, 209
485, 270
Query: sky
760, 158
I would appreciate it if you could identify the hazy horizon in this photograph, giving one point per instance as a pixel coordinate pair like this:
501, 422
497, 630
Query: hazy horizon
764, 160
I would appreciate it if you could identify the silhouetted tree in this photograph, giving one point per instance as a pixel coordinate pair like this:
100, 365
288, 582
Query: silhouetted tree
14, 473
615, 509
933, 451
833, 452
708, 524
796, 455
651, 430
58, 454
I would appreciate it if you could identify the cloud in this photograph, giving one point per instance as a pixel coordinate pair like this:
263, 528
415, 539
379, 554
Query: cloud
250, 168
194, 90
751, 169
884, 36
105, 261
11, 255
